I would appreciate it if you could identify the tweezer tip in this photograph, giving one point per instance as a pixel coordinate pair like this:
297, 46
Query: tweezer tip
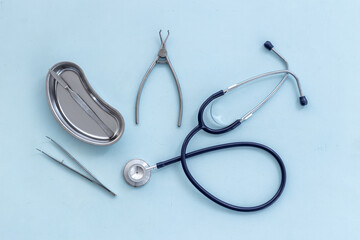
40, 151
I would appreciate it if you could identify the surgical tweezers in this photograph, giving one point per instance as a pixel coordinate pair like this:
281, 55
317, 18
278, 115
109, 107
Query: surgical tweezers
92, 178
162, 57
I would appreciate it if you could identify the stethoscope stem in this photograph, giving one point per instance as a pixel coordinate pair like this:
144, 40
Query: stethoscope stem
151, 167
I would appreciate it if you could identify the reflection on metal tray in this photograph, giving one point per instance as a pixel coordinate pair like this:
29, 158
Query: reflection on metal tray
77, 107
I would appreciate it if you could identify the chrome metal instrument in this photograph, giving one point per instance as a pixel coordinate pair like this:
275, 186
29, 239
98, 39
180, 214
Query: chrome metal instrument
91, 177
161, 58
77, 107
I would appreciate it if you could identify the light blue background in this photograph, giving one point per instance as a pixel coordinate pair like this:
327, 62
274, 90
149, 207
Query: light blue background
212, 45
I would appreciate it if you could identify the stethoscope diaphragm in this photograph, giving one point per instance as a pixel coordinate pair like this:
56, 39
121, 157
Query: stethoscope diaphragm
137, 172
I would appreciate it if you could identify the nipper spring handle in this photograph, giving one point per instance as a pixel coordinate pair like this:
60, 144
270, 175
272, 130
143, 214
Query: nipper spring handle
161, 58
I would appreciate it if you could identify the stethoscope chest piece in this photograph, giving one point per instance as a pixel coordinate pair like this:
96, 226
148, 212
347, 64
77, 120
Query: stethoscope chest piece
137, 172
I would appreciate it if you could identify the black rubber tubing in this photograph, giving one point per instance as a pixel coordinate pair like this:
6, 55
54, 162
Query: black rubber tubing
202, 126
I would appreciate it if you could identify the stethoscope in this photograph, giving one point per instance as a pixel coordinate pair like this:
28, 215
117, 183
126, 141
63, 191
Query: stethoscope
137, 172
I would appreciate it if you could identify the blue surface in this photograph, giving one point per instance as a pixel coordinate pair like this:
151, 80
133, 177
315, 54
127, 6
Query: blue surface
212, 45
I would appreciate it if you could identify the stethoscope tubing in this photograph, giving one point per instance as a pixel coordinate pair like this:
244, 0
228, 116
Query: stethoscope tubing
210, 196
202, 126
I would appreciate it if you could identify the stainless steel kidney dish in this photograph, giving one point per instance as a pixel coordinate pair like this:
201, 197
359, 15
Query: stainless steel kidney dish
77, 107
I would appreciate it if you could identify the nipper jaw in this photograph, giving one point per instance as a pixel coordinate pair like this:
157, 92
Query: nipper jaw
162, 54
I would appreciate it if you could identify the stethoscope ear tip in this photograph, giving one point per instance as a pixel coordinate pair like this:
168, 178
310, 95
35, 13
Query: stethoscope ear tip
303, 101
268, 45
